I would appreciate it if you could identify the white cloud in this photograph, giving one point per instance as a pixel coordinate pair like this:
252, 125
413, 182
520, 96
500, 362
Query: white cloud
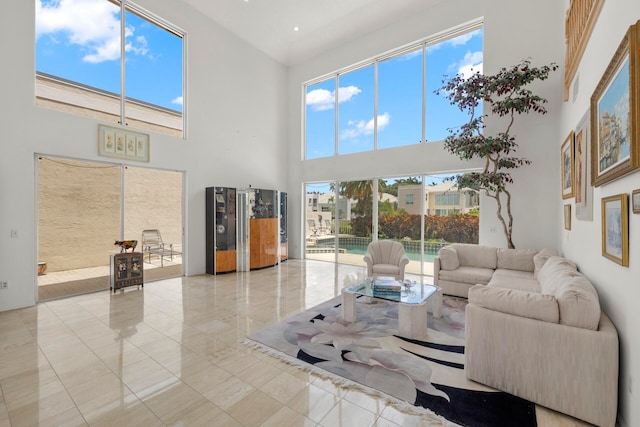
460, 40
470, 64
322, 99
177, 100
91, 24
365, 128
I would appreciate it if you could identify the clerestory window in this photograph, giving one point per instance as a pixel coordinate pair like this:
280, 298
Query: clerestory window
110, 60
389, 101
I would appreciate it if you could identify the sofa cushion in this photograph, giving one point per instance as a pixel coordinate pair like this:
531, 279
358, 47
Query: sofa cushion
553, 273
516, 259
578, 302
471, 255
540, 258
448, 258
532, 305
514, 279
470, 275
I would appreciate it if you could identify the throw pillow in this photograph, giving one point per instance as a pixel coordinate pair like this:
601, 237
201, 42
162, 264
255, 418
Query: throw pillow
448, 258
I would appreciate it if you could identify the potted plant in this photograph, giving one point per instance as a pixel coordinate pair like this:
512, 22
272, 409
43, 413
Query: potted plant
505, 95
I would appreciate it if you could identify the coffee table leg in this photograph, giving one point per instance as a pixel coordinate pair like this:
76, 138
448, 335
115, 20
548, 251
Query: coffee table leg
412, 321
349, 306
435, 303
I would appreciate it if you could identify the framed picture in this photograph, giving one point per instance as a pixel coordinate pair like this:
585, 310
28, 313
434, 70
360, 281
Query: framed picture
615, 114
567, 217
566, 157
615, 229
123, 144
582, 173
635, 201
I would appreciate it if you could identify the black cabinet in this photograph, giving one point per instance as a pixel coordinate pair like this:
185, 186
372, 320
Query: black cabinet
126, 270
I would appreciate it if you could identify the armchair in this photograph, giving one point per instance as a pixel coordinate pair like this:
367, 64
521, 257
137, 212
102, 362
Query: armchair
386, 258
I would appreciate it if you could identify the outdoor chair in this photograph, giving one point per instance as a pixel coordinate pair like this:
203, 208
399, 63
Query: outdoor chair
313, 227
386, 258
327, 226
152, 244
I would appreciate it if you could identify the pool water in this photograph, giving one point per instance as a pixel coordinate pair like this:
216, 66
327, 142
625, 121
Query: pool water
413, 256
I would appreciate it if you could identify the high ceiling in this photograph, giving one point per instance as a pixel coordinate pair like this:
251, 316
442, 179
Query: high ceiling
323, 24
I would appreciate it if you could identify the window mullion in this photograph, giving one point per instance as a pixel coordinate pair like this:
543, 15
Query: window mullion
424, 92
122, 64
375, 105
336, 118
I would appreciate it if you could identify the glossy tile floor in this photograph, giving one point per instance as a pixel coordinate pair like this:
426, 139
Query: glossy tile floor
172, 354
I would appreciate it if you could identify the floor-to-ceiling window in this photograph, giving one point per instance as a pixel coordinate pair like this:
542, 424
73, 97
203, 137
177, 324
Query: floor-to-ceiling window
84, 207
423, 212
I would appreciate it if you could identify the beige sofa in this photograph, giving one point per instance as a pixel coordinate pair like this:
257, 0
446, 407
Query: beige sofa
539, 334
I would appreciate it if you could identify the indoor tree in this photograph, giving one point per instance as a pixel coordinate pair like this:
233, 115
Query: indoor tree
506, 95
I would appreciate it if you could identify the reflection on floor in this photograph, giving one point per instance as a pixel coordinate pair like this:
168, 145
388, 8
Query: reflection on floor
172, 354
60, 284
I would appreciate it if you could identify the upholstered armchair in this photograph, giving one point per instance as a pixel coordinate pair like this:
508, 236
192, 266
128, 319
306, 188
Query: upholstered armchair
386, 258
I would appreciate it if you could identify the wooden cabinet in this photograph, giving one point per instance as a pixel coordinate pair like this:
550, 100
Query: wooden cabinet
263, 249
126, 269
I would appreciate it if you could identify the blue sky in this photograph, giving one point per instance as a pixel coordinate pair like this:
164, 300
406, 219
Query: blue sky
399, 115
79, 40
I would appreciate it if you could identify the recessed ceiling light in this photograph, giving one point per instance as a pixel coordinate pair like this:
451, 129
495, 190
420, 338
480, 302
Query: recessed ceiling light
296, 28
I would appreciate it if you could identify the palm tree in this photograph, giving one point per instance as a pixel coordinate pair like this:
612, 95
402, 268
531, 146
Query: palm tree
362, 192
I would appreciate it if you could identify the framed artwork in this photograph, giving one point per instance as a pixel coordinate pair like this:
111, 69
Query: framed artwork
567, 217
615, 150
123, 144
582, 173
615, 229
566, 158
635, 201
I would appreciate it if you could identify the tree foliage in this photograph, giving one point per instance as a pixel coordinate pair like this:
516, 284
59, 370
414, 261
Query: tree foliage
504, 94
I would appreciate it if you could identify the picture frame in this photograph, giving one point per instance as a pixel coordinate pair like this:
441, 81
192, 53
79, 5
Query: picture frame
567, 217
615, 109
615, 229
635, 201
123, 144
583, 190
567, 165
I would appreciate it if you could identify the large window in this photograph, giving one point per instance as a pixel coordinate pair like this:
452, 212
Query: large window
390, 101
110, 60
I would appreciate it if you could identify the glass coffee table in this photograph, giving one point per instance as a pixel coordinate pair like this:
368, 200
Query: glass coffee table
414, 299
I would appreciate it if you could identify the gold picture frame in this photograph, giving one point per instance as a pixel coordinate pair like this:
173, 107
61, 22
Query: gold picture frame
635, 201
567, 166
567, 217
615, 114
615, 229
123, 144
583, 191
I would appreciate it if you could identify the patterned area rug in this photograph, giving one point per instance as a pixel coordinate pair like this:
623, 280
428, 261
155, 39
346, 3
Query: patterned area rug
425, 377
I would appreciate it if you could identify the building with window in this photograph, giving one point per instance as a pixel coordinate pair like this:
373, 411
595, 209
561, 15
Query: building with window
439, 199
244, 112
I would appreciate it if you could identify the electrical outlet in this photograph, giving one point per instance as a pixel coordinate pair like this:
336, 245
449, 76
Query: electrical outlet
4, 284
493, 229
14, 234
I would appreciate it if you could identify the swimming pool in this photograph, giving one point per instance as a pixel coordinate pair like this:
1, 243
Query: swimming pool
413, 256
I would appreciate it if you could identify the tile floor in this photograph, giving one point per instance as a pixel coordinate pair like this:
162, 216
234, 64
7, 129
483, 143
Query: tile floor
172, 354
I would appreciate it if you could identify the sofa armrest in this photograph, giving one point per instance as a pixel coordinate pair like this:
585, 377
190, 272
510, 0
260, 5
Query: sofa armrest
531, 305
369, 261
436, 270
568, 369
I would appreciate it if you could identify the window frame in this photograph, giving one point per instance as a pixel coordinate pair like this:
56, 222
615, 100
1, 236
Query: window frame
421, 44
153, 19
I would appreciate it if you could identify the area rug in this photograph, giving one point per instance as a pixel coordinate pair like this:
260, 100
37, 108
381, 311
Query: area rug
424, 377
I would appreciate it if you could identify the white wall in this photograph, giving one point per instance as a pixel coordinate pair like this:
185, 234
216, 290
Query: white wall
236, 127
618, 287
506, 42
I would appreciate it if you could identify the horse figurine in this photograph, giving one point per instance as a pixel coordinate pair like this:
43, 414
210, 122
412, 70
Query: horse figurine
126, 244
